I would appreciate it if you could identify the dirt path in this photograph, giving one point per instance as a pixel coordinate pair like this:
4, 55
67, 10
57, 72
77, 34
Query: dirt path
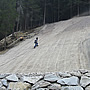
60, 49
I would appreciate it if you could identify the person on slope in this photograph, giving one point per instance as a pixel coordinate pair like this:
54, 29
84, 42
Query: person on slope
36, 42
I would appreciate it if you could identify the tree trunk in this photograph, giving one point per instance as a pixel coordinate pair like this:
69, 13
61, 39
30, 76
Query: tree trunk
25, 23
5, 42
89, 7
78, 9
17, 24
58, 10
31, 21
71, 10
54, 13
44, 21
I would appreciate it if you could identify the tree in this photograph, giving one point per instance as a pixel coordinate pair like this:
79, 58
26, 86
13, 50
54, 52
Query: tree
8, 16
44, 20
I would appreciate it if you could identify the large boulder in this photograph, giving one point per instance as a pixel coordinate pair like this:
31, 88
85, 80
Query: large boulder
42, 89
12, 77
87, 88
85, 81
69, 81
54, 86
41, 84
87, 74
3, 88
76, 73
19, 86
3, 76
51, 77
71, 88
4, 82
83, 71
64, 74
1, 84
32, 79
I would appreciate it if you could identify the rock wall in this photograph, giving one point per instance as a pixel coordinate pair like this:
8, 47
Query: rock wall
75, 80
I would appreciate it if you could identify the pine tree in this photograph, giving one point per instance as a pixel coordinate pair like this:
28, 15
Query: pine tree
8, 16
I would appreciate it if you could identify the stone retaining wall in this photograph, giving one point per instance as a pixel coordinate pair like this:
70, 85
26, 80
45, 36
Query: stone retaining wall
75, 80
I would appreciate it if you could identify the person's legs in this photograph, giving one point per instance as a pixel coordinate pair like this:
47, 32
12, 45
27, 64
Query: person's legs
35, 45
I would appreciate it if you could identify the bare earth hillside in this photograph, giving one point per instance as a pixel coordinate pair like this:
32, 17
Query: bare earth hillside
63, 46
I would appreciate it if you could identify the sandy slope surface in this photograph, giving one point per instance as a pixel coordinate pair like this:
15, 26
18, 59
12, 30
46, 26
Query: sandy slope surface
61, 48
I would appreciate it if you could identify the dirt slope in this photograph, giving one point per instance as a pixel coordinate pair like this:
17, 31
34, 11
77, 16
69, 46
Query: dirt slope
61, 48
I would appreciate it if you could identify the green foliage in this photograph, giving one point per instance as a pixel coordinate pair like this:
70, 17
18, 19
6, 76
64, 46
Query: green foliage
7, 16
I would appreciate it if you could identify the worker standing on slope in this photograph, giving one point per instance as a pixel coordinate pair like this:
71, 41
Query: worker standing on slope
36, 42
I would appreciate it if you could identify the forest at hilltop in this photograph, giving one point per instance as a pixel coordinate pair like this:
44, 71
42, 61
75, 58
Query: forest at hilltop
22, 15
